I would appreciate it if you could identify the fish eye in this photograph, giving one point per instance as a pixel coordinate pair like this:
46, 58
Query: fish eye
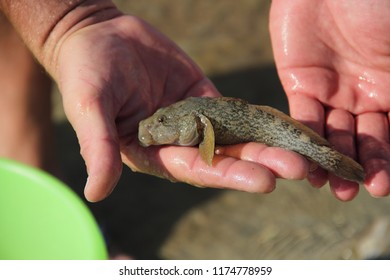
162, 119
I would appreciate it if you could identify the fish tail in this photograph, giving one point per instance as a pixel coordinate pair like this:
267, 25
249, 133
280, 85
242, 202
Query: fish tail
349, 169
342, 165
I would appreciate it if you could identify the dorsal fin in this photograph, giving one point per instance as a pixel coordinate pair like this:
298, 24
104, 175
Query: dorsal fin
307, 130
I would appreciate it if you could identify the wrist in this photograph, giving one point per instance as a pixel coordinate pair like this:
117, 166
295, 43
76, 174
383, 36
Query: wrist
44, 25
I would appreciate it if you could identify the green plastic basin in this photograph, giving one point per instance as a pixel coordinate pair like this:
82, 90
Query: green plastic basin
41, 218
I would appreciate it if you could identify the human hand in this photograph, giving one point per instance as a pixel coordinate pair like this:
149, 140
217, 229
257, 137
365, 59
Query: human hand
333, 59
115, 73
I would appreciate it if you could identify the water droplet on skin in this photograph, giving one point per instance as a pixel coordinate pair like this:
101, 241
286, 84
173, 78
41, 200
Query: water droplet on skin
219, 150
367, 85
81, 110
296, 83
367, 78
372, 94
285, 34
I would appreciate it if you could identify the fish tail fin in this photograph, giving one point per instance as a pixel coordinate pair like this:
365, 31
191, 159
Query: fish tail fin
339, 164
349, 169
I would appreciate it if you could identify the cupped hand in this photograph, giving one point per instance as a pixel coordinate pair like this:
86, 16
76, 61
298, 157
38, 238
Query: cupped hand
117, 72
333, 59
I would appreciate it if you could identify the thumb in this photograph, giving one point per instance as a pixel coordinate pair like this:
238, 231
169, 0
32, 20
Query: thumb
99, 145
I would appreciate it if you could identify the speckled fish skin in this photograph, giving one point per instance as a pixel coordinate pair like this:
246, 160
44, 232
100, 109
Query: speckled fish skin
236, 121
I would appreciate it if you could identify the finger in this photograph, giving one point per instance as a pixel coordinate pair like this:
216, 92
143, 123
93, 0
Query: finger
374, 152
98, 144
310, 112
307, 110
283, 163
341, 134
317, 177
185, 165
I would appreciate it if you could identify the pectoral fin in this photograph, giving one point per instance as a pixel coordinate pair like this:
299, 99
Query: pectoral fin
206, 147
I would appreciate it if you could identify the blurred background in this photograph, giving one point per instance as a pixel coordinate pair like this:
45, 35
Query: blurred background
150, 218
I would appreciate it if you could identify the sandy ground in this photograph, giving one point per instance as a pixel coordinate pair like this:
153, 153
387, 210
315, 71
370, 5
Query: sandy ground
152, 218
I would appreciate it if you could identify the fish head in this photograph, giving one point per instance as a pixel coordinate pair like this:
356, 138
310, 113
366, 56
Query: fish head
169, 126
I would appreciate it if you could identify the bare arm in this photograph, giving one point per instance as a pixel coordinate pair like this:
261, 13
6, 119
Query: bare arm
43, 25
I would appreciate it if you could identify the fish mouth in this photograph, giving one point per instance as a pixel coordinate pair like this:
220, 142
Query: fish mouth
145, 138
144, 141
148, 136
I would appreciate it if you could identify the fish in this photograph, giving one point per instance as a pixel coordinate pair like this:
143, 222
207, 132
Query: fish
211, 121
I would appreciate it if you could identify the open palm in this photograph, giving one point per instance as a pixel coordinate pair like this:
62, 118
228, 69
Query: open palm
333, 58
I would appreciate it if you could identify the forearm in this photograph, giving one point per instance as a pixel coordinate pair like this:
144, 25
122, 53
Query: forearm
43, 25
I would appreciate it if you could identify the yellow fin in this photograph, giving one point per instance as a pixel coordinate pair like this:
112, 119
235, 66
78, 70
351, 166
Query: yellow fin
206, 147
